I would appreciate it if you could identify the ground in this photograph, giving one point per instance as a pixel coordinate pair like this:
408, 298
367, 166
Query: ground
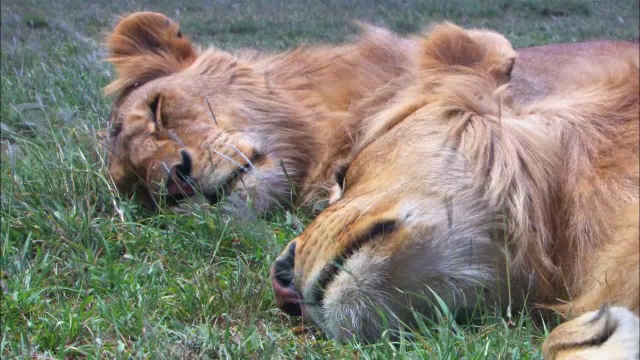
86, 273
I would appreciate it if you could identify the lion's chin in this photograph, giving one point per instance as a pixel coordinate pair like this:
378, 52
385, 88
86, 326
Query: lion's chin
375, 296
360, 307
261, 192
249, 193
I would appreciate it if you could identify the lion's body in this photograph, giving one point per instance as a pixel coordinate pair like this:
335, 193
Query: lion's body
264, 126
541, 69
454, 190
593, 254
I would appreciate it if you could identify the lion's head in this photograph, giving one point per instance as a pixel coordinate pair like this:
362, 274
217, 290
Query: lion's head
453, 196
187, 122
365, 256
261, 126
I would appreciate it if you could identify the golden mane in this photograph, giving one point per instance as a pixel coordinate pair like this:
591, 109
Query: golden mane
476, 191
540, 177
597, 127
289, 109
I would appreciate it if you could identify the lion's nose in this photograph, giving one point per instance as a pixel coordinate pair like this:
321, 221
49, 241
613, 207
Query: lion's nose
288, 298
180, 183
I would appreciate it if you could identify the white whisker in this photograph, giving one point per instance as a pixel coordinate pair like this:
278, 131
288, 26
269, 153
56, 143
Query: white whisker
240, 153
227, 158
166, 167
175, 137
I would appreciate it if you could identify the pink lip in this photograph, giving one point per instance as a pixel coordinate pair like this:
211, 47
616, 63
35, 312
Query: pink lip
287, 298
178, 187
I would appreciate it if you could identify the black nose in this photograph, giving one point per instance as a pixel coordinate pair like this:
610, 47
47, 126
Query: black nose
287, 297
284, 267
183, 170
180, 183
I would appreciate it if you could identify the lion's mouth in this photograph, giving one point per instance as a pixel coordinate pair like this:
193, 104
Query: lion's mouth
180, 187
237, 187
287, 297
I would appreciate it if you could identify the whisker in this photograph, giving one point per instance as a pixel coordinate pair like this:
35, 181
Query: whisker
166, 167
289, 180
249, 162
211, 111
241, 154
175, 137
227, 158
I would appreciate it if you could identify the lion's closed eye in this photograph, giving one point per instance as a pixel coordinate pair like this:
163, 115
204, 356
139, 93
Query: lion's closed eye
381, 228
156, 107
340, 175
372, 232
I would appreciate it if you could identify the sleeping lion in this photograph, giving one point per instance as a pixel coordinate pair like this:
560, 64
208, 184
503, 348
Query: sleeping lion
475, 191
262, 127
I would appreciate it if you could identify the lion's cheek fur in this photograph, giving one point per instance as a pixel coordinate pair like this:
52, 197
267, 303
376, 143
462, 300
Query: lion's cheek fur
265, 187
380, 287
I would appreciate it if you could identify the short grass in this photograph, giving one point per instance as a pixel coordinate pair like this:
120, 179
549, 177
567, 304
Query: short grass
86, 273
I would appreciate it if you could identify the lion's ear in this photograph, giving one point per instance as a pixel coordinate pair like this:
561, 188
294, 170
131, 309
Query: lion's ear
499, 56
144, 46
450, 45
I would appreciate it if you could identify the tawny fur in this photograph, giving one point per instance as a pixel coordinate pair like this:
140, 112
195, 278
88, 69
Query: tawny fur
288, 106
611, 333
556, 173
145, 46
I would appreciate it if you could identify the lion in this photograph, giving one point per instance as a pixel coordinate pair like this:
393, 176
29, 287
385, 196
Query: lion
262, 128
462, 190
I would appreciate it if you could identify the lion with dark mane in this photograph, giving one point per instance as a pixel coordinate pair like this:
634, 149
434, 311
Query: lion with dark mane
471, 190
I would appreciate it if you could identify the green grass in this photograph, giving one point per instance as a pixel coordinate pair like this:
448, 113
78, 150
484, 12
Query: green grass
86, 273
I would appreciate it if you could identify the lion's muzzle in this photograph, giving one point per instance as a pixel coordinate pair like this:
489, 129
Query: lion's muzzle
180, 184
287, 297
